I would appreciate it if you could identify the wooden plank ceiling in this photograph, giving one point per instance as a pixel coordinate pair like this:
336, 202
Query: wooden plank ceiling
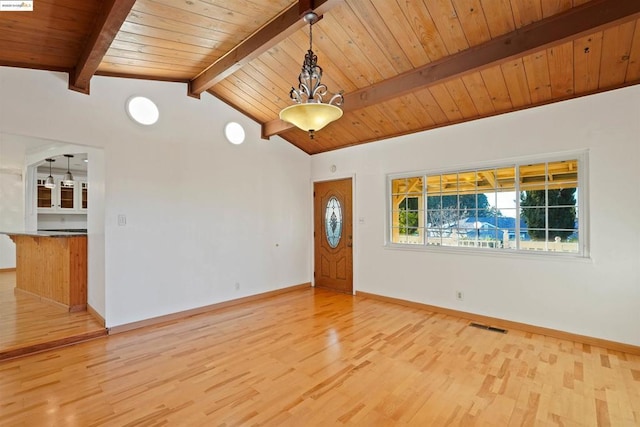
404, 65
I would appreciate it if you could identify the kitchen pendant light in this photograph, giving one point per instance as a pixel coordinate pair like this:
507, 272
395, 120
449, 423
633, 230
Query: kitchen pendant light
309, 113
68, 178
49, 182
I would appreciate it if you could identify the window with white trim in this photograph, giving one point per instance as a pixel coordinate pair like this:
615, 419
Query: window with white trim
529, 206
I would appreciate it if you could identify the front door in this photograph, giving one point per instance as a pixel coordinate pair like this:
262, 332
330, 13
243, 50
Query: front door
333, 239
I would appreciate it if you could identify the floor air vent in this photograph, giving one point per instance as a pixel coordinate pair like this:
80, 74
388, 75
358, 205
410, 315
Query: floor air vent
488, 328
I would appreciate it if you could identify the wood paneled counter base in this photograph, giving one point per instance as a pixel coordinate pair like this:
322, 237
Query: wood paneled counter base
53, 267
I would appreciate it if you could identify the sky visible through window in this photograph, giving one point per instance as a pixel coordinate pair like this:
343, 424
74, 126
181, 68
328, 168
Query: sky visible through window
506, 202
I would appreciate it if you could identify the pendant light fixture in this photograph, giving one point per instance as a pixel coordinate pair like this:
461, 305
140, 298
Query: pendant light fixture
68, 178
49, 182
309, 113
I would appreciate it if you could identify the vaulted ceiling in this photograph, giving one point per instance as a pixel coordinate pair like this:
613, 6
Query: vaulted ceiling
404, 65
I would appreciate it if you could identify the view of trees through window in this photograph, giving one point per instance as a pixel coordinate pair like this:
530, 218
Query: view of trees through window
519, 207
561, 218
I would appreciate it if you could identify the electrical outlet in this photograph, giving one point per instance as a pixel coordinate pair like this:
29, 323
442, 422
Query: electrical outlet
237, 286
459, 295
122, 220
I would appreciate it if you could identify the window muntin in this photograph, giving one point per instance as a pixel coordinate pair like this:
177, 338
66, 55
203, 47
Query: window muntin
408, 217
526, 207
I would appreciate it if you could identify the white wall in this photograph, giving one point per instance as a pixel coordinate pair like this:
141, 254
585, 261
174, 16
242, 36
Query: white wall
11, 212
598, 297
202, 215
12, 159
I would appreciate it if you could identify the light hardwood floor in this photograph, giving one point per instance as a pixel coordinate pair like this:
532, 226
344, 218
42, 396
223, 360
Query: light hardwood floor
28, 324
315, 358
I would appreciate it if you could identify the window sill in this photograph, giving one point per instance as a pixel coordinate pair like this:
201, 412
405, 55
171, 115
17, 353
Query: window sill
509, 254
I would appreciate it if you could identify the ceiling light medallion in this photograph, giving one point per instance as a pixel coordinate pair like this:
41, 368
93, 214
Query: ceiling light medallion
309, 113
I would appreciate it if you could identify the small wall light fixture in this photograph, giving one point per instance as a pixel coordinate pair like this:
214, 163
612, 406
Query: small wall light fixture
234, 132
142, 110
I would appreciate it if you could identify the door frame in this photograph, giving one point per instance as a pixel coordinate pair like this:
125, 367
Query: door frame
354, 225
97, 286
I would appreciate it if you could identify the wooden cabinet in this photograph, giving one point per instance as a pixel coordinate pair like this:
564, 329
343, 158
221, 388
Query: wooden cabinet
44, 196
84, 195
53, 268
63, 198
67, 198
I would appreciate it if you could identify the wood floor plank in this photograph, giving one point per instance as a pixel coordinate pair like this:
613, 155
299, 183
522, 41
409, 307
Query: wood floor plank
311, 357
28, 324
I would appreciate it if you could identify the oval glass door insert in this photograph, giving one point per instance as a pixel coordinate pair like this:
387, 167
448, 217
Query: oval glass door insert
333, 221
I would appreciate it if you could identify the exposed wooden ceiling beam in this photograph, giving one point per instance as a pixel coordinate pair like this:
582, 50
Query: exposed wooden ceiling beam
595, 15
112, 15
491, 178
281, 27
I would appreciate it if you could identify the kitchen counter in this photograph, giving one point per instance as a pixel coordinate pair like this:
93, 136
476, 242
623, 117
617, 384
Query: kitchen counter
52, 265
47, 233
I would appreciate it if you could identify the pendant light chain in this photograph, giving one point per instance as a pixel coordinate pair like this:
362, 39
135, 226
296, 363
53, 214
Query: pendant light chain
311, 36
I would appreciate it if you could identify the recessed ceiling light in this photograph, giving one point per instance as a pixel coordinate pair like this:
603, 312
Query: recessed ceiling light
234, 132
142, 110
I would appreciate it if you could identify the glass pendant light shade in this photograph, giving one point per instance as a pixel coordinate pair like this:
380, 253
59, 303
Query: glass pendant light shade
68, 177
49, 182
311, 116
